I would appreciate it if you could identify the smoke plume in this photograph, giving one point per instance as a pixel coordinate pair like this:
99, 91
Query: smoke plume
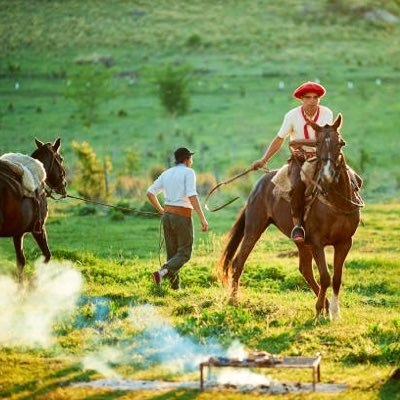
27, 317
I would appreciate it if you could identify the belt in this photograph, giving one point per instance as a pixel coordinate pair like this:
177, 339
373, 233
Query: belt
182, 211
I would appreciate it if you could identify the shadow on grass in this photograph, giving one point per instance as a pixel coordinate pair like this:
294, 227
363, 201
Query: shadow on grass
391, 388
178, 394
40, 387
107, 396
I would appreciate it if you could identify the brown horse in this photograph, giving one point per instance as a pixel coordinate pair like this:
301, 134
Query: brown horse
20, 214
332, 217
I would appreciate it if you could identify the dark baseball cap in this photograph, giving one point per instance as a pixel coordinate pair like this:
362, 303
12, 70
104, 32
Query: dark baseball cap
182, 154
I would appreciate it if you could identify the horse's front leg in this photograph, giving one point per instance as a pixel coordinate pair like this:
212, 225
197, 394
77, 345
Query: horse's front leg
20, 256
305, 267
41, 240
341, 251
325, 279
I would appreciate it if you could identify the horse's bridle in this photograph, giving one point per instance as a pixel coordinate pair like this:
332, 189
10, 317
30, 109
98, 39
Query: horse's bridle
336, 160
55, 158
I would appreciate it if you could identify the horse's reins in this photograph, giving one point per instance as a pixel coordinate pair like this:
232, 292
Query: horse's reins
129, 209
132, 210
230, 180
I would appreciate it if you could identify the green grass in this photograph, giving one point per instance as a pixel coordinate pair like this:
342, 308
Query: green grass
274, 313
235, 101
239, 51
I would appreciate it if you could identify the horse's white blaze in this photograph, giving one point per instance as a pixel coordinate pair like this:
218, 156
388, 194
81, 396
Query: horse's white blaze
326, 172
334, 309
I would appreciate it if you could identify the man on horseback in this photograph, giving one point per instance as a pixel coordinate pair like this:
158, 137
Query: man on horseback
295, 125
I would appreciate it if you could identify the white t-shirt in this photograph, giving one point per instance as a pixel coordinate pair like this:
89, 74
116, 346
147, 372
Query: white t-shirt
293, 123
178, 184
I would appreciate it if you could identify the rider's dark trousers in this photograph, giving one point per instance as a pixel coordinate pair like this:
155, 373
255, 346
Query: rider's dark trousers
298, 187
178, 234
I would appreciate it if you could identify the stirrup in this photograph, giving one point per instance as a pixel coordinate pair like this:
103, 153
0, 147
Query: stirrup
298, 234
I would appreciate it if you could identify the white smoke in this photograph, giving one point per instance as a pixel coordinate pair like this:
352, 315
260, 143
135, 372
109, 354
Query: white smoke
157, 342
161, 343
241, 376
27, 317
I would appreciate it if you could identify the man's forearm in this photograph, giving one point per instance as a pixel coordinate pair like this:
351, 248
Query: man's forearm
273, 148
194, 200
154, 201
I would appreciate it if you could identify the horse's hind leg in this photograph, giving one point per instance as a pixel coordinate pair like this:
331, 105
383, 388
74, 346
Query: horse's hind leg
41, 240
245, 249
19, 252
341, 251
252, 234
305, 267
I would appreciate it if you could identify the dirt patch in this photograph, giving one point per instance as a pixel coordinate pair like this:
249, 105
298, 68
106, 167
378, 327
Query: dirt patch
274, 387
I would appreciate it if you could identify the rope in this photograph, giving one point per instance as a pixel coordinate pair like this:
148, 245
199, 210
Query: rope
161, 237
132, 210
226, 183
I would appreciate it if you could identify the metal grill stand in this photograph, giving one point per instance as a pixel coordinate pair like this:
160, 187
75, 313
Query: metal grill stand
270, 361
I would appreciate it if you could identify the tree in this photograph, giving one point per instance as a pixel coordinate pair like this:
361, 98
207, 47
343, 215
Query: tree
89, 87
91, 181
173, 82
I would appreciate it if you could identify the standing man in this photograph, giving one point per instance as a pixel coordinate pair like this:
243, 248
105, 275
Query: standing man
179, 186
301, 134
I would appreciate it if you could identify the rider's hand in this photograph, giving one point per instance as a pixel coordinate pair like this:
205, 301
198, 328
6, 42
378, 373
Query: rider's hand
258, 164
204, 225
297, 152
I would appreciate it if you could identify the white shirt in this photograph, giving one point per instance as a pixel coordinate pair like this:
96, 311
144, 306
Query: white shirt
293, 123
178, 184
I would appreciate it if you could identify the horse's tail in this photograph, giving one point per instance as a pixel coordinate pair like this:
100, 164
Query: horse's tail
235, 236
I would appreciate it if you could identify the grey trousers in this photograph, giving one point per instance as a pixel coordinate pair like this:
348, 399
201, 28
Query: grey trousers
178, 234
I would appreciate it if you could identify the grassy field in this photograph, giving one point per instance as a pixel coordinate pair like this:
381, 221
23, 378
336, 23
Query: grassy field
274, 313
80, 322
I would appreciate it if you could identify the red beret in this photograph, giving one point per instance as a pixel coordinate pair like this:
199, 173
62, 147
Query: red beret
309, 87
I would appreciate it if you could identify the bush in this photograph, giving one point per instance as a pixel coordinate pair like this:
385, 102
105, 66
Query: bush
130, 186
205, 182
89, 88
92, 173
131, 162
244, 184
173, 82
156, 171
194, 40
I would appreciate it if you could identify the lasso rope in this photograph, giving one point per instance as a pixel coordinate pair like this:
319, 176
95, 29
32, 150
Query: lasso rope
226, 183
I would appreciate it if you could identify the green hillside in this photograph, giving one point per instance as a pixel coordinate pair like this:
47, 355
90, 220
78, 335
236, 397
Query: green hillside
241, 52
246, 57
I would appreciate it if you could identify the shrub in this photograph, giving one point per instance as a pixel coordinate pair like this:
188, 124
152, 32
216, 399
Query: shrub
244, 184
130, 186
89, 88
14, 70
156, 171
205, 182
92, 173
194, 40
173, 82
131, 162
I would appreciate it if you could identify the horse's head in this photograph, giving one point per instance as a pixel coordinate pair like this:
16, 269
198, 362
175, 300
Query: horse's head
49, 155
328, 149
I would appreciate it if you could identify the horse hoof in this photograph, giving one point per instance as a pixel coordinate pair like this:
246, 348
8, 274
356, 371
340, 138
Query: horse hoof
334, 315
233, 301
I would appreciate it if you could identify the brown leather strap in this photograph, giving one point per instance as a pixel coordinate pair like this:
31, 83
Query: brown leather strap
182, 211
